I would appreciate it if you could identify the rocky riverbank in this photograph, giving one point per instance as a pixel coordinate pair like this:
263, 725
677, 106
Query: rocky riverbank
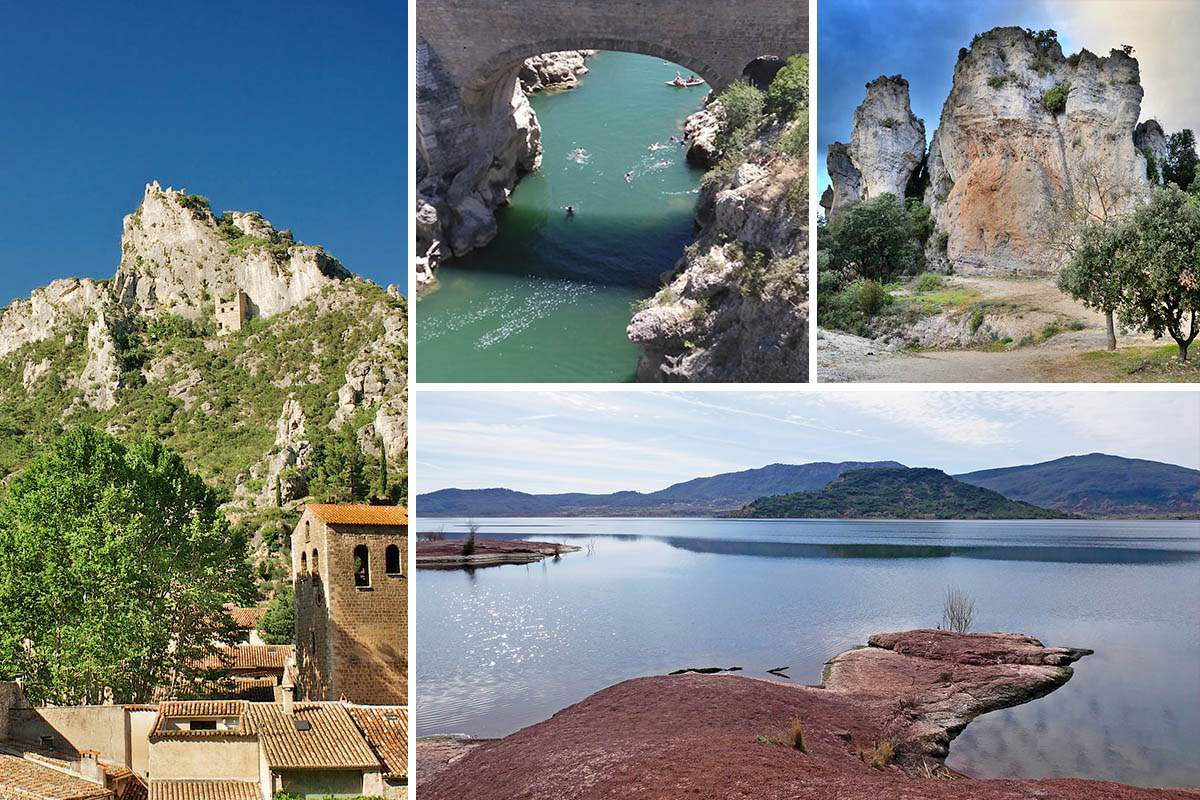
879, 726
448, 553
467, 168
735, 306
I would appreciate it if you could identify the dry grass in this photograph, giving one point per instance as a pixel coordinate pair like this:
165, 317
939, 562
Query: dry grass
879, 756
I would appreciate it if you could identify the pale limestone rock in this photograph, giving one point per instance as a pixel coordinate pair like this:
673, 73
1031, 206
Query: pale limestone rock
175, 258
887, 142
701, 130
1148, 137
557, 70
48, 311
1003, 170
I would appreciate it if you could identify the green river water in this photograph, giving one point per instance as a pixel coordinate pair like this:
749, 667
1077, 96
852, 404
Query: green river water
549, 299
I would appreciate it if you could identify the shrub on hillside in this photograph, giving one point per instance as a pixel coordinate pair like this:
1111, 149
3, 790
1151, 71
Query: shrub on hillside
787, 96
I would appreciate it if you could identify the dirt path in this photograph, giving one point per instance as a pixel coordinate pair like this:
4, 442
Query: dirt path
845, 358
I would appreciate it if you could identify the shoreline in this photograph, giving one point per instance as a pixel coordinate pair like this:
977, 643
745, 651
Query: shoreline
447, 553
879, 726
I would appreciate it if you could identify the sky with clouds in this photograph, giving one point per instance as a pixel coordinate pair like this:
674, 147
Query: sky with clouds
859, 40
609, 441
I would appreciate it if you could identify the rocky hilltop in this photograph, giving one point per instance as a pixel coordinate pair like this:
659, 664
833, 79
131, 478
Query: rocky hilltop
735, 305
283, 394
1026, 136
467, 166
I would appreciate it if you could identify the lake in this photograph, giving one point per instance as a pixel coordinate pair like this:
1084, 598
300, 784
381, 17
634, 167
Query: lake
504, 647
550, 297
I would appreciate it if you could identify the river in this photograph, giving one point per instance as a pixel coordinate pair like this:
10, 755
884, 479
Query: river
505, 647
549, 299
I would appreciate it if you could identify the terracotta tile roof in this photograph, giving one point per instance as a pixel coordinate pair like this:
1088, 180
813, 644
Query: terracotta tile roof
386, 730
205, 709
134, 790
25, 779
248, 656
246, 618
335, 513
203, 790
332, 740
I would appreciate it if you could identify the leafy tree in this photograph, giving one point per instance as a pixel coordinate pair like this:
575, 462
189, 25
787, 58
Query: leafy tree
1179, 166
338, 467
1094, 274
115, 566
874, 239
1160, 250
743, 105
278, 625
787, 96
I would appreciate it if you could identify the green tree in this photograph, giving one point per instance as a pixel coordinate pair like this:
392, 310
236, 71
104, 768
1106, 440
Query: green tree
1179, 166
278, 625
787, 96
1160, 248
743, 107
115, 566
874, 239
1094, 273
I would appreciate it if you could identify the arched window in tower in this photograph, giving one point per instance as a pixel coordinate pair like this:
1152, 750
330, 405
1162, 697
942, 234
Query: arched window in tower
316, 563
303, 563
362, 566
392, 560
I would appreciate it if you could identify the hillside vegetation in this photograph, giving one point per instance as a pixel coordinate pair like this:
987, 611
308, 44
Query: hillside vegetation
895, 494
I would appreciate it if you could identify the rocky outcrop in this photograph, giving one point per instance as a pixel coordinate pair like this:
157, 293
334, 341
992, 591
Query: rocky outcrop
1148, 138
177, 256
48, 311
471, 154
887, 145
700, 131
1024, 138
735, 306
557, 70
873, 730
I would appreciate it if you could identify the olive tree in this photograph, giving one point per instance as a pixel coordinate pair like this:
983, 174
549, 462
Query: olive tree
1094, 273
873, 239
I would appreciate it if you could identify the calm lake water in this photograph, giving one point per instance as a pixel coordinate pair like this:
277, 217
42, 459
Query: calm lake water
504, 647
549, 299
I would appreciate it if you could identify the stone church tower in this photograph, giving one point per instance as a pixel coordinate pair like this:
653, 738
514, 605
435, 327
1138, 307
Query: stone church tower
350, 570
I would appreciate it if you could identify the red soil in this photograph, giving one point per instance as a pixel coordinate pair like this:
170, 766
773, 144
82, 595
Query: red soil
701, 736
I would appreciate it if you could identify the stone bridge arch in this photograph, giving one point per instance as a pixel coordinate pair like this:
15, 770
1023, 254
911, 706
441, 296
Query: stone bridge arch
470, 51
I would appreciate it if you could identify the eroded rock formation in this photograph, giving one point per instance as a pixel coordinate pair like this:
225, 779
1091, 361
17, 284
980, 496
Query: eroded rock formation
878, 727
1009, 159
735, 306
887, 145
558, 70
177, 256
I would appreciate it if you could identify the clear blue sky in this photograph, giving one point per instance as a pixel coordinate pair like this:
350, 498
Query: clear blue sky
296, 110
608, 441
859, 40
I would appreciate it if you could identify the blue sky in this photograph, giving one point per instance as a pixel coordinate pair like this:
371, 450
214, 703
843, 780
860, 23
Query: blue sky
608, 441
296, 110
859, 40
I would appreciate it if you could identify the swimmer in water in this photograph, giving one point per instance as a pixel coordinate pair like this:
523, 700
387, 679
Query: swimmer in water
570, 212
629, 176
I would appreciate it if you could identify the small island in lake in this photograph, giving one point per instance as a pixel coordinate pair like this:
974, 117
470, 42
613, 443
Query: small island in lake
455, 554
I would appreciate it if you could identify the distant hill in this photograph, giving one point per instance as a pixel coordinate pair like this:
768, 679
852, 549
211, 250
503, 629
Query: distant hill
697, 497
895, 494
1098, 485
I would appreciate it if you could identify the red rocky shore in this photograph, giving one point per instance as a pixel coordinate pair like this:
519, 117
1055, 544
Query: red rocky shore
448, 553
878, 727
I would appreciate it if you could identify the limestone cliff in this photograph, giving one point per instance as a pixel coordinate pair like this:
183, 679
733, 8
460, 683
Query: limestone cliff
471, 155
316, 372
735, 306
1149, 139
177, 256
887, 145
1010, 156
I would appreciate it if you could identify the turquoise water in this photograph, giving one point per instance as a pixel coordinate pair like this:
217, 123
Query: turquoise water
505, 647
549, 299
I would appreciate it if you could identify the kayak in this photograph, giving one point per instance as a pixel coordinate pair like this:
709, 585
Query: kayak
685, 84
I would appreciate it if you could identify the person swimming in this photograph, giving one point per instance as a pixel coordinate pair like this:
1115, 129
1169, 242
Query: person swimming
570, 212
629, 177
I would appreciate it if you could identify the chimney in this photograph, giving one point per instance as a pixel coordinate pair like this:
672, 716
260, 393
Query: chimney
287, 690
89, 767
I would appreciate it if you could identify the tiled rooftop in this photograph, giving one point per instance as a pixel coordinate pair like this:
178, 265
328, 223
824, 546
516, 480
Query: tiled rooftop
249, 656
246, 618
24, 779
386, 729
345, 514
331, 741
200, 709
203, 790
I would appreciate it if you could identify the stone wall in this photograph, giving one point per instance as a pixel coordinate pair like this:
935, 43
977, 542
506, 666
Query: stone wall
350, 640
